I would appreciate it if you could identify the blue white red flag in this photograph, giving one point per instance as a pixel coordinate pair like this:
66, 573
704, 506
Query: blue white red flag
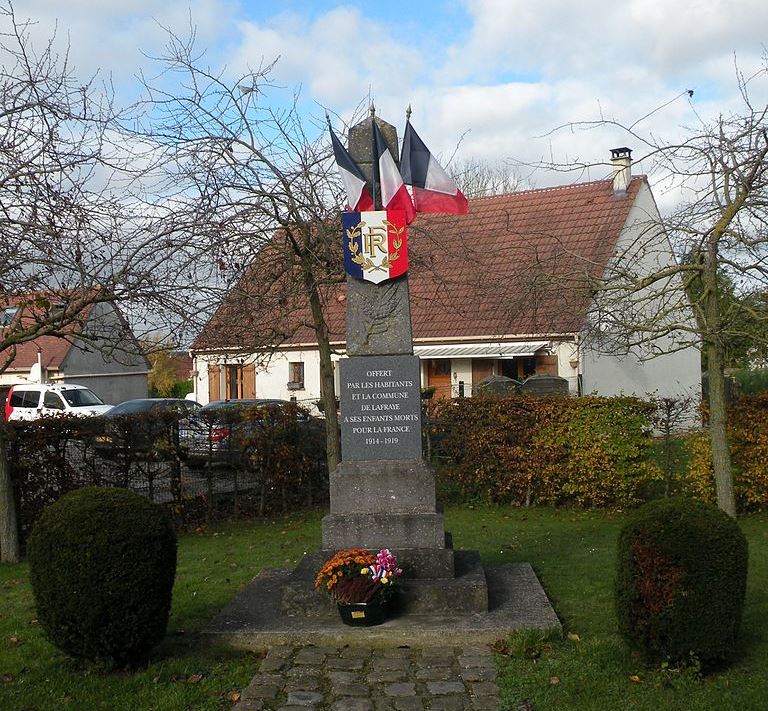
358, 196
375, 245
433, 188
394, 194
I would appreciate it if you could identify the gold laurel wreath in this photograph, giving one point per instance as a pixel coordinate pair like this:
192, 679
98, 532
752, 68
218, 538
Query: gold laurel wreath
367, 263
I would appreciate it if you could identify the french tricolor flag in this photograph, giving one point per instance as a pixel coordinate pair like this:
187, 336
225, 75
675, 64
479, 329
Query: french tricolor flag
394, 194
358, 197
433, 189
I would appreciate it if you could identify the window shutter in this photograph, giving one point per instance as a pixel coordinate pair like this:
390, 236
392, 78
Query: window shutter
214, 384
249, 381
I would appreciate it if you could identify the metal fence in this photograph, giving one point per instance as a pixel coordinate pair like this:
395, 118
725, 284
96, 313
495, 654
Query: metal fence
198, 469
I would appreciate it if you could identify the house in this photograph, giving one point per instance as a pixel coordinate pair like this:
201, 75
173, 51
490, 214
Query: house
96, 348
506, 290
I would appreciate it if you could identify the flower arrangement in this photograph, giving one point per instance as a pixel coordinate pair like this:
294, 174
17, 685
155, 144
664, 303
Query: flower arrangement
354, 575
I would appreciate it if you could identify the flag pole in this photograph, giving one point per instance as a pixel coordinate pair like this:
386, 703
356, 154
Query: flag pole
374, 168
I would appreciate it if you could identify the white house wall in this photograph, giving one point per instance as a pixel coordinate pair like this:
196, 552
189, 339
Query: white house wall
271, 379
672, 374
568, 363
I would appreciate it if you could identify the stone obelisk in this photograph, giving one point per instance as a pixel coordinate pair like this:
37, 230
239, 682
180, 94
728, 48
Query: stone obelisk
383, 493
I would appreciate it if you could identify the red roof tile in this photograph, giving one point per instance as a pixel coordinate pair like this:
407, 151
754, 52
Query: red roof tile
53, 348
516, 264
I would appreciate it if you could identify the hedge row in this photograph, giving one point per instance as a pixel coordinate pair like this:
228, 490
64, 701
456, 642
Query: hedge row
51, 456
589, 451
748, 438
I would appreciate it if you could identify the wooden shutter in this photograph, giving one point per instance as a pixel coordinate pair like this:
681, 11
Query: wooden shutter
249, 381
214, 383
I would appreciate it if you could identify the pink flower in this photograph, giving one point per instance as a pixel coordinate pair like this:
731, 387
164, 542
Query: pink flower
388, 562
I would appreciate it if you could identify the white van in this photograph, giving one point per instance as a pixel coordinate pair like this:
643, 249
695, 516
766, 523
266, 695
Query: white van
31, 401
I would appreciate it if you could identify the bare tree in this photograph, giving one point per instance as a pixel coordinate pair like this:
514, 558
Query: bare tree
478, 178
718, 228
75, 228
237, 167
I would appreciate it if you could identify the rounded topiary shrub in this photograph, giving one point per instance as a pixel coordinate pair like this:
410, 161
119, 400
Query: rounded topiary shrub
102, 564
682, 575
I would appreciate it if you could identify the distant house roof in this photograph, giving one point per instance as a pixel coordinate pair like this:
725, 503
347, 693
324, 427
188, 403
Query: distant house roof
23, 312
516, 265
53, 350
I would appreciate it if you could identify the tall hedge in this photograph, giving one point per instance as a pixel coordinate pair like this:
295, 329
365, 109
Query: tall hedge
748, 440
590, 451
102, 564
681, 581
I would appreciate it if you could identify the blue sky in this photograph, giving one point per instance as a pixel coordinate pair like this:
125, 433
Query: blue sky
499, 74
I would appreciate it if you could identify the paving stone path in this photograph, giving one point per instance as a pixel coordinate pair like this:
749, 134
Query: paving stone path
365, 679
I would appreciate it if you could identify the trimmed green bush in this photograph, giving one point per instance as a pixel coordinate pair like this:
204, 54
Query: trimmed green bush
102, 564
682, 575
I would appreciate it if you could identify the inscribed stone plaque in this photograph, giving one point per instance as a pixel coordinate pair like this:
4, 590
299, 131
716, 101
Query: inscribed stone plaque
380, 408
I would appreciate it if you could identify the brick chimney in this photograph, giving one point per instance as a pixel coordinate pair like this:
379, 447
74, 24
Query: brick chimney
621, 158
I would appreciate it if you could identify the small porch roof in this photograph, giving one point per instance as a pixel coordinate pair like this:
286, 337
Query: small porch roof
481, 350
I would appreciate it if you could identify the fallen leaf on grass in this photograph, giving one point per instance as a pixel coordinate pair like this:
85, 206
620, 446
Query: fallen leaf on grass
554, 680
634, 678
574, 637
14, 640
194, 678
500, 647
233, 696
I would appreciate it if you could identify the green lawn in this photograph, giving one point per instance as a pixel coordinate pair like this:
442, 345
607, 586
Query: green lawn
573, 552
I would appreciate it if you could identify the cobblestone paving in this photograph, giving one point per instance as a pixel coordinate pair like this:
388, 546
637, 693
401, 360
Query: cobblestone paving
365, 679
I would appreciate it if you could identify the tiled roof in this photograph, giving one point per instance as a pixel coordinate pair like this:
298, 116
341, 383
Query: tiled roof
516, 264
53, 349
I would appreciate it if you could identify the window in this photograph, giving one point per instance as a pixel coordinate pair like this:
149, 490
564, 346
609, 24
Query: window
82, 397
296, 376
25, 398
7, 315
529, 367
234, 381
239, 382
442, 367
52, 401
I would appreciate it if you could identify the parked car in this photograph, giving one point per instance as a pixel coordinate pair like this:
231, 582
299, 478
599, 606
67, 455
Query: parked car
31, 401
226, 431
147, 428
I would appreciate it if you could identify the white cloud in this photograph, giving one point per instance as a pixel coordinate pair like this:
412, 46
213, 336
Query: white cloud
338, 57
112, 37
519, 69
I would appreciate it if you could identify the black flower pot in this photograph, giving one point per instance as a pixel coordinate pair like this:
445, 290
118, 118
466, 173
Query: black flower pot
362, 614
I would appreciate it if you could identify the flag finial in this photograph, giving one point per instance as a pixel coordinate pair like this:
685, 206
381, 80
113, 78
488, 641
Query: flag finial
408, 113
328, 119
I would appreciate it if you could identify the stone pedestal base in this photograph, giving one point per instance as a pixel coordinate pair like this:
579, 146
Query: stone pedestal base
465, 593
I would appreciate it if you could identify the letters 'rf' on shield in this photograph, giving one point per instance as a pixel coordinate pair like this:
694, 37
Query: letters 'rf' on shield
375, 244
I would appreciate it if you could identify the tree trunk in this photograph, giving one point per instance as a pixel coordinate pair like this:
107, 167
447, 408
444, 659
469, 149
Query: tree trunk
718, 419
10, 551
718, 415
328, 386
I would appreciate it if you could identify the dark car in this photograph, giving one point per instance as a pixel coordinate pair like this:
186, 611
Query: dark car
236, 431
147, 428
